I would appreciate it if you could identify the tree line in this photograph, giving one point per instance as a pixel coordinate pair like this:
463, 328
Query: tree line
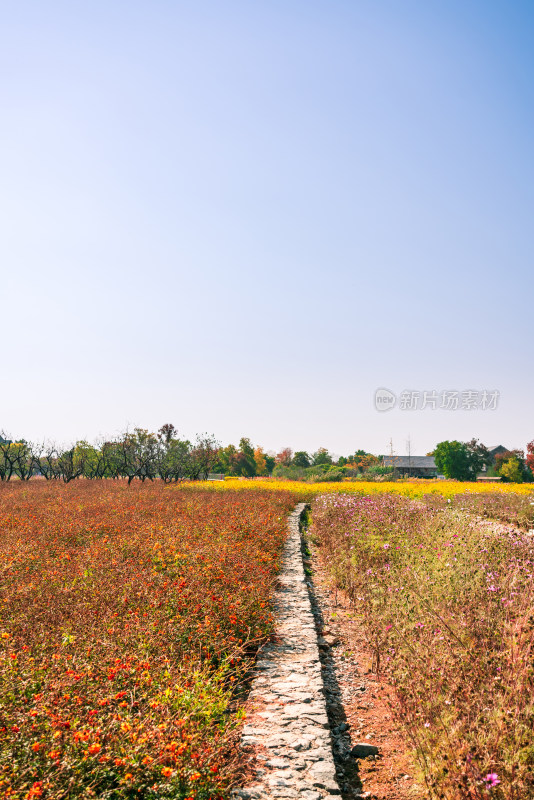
137, 454
463, 461
144, 455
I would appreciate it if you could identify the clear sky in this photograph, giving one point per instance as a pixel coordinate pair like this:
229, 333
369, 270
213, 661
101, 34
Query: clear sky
245, 217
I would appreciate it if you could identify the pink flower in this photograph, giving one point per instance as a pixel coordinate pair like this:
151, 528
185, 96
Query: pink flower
492, 779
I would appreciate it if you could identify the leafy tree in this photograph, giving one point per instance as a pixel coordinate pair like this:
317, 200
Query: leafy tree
70, 464
504, 468
479, 456
88, 460
245, 458
322, 456
301, 459
361, 461
512, 470
138, 453
173, 460
227, 462
530, 456
461, 461
284, 457
261, 463
452, 460
16, 458
112, 459
358, 454
270, 462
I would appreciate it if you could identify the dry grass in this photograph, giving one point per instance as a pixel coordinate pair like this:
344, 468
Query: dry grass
448, 608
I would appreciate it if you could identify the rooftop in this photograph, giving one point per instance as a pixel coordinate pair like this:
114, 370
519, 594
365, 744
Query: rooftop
416, 462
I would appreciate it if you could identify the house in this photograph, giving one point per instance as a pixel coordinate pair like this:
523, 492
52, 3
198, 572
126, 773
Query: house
494, 451
412, 466
497, 450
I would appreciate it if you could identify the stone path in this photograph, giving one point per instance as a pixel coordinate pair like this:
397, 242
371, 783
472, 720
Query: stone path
288, 731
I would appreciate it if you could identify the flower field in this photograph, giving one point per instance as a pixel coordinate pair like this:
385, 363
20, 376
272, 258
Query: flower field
414, 489
447, 605
128, 617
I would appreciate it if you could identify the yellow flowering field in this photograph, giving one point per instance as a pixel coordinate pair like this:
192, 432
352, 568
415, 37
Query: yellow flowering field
414, 489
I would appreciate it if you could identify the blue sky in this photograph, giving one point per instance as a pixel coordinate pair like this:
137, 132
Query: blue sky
243, 218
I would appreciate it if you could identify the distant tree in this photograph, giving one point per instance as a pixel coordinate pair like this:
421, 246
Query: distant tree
322, 456
461, 461
23, 460
366, 461
479, 457
245, 461
452, 460
111, 452
138, 455
70, 463
16, 458
342, 461
45, 456
284, 457
174, 460
167, 432
270, 462
227, 460
261, 463
512, 471
508, 463
89, 460
530, 456
202, 457
361, 461
301, 459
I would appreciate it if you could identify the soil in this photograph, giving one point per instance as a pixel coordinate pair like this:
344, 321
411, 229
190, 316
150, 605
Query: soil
357, 696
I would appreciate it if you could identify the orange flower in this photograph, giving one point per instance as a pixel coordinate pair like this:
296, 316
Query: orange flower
54, 754
93, 749
166, 772
36, 746
35, 791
